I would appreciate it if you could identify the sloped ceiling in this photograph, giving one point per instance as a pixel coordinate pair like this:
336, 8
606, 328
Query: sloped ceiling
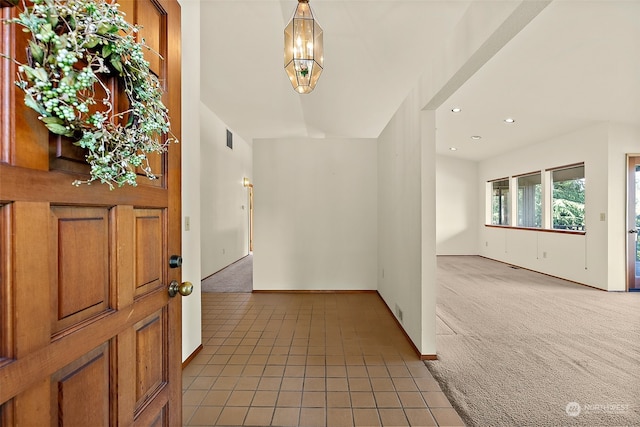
576, 63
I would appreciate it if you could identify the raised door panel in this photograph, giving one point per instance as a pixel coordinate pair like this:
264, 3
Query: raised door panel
79, 255
149, 224
80, 391
152, 18
150, 359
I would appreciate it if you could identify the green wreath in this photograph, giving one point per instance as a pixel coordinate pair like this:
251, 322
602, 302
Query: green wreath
72, 43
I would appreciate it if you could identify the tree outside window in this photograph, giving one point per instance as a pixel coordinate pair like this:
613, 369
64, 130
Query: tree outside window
568, 198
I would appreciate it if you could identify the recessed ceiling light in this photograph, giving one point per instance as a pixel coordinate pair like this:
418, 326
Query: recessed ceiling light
453, 148
509, 120
456, 110
476, 137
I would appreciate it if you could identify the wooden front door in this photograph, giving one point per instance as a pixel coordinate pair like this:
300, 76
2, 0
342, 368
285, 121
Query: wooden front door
88, 333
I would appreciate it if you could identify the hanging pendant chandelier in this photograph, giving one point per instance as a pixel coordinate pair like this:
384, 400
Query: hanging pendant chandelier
303, 50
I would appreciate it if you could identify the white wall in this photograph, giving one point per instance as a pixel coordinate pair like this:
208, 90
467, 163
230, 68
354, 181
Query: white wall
400, 217
456, 206
190, 145
224, 199
623, 140
315, 214
581, 258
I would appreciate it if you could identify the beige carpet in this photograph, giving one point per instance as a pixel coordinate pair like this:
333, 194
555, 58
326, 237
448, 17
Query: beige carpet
237, 277
518, 348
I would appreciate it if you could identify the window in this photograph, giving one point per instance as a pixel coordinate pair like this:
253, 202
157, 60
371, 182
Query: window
530, 200
500, 202
567, 198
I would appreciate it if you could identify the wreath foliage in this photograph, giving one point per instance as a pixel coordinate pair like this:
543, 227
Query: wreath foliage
73, 43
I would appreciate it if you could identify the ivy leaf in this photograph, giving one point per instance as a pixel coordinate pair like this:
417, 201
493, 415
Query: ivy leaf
92, 42
57, 129
115, 62
36, 52
103, 29
30, 72
35, 73
52, 120
106, 50
41, 74
107, 29
31, 103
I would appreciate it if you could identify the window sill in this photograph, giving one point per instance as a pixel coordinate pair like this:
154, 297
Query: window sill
543, 230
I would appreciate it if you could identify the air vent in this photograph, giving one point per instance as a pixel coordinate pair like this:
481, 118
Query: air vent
229, 139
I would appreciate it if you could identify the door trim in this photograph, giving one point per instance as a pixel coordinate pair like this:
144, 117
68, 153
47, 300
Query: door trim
630, 223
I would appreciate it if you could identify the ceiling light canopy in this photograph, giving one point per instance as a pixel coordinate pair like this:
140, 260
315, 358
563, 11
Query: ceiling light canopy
476, 137
303, 49
509, 120
456, 109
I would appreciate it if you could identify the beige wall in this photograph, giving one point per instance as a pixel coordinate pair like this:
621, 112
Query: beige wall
223, 198
315, 214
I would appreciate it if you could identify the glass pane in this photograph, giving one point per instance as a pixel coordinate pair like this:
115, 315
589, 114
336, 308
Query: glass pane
530, 200
568, 198
500, 202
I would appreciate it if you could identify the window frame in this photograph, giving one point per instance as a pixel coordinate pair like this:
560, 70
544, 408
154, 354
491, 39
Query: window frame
536, 212
546, 178
490, 218
550, 209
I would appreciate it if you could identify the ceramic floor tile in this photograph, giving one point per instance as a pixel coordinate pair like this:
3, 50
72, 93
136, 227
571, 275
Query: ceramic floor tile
216, 398
447, 417
339, 371
314, 384
291, 384
387, 399
337, 384
338, 399
436, 399
205, 416
393, 417
240, 398
312, 417
339, 417
313, 399
265, 398
315, 371
420, 417
258, 416
366, 417
202, 383
232, 416
289, 399
286, 417
412, 399
362, 399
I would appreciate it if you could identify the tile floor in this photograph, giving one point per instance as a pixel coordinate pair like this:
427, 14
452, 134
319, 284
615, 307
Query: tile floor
308, 360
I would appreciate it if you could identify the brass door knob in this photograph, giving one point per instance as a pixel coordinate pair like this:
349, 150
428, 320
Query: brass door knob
184, 288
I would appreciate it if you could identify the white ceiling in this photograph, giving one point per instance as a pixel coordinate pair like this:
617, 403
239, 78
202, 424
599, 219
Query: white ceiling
576, 63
